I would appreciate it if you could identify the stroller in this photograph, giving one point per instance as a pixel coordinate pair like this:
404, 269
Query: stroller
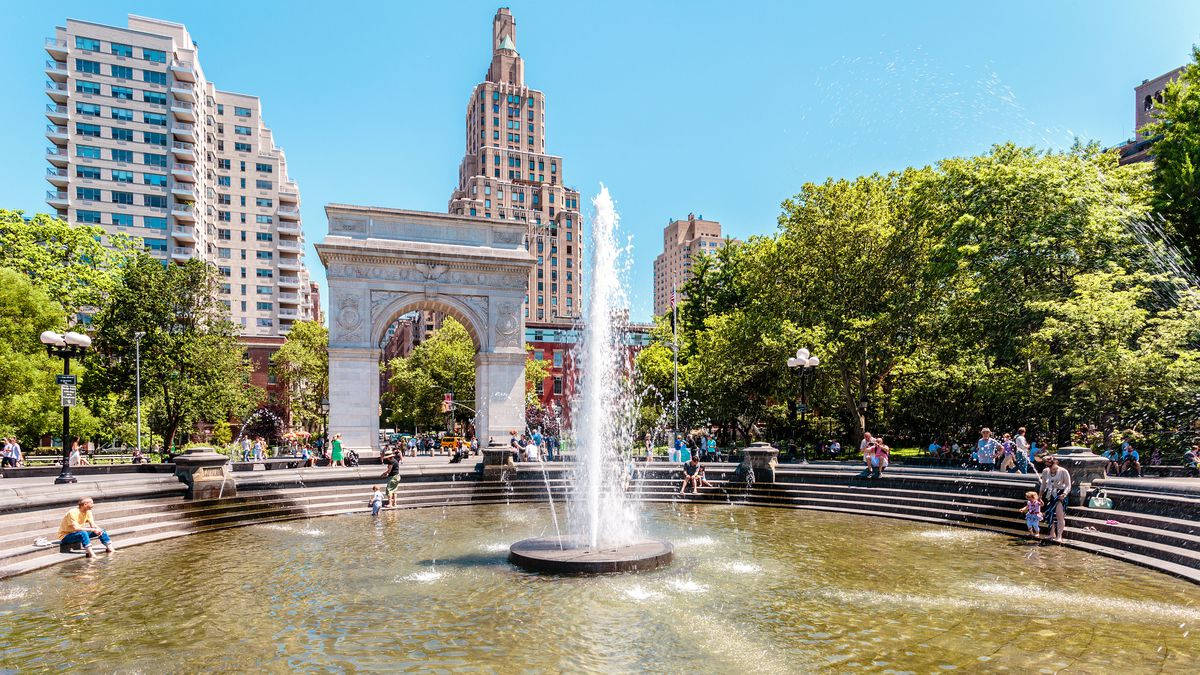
351, 457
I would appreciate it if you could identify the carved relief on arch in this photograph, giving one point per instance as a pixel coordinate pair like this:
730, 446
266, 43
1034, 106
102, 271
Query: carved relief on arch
508, 324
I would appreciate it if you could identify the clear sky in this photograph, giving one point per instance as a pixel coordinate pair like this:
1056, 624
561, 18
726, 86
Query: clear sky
719, 108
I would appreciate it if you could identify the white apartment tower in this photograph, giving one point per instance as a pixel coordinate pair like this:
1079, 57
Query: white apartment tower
507, 175
142, 143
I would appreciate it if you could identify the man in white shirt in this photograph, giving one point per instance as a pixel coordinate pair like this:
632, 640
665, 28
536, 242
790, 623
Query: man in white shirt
1056, 488
866, 448
1021, 445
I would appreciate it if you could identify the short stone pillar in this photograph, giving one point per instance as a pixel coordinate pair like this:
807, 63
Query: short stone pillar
206, 474
498, 461
1084, 466
761, 458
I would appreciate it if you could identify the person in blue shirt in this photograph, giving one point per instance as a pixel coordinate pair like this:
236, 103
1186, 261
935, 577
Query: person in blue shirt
985, 449
1191, 461
1129, 460
934, 449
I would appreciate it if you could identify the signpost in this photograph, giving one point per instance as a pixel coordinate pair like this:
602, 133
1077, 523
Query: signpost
66, 389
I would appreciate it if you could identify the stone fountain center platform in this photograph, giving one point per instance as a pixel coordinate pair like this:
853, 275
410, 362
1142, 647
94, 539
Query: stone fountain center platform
562, 555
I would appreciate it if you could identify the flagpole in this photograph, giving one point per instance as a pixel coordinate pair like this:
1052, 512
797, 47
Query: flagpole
675, 346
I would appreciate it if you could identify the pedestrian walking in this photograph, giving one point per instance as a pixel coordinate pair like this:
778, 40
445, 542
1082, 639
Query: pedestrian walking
336, 457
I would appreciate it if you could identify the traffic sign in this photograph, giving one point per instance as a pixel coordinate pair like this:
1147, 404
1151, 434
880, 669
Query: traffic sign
64, 379
67, 394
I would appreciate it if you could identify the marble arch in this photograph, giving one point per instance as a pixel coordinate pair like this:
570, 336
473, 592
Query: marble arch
383, 262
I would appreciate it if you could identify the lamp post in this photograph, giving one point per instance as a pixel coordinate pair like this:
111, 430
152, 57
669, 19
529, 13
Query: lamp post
805, 365
64, 346
325, 414
137, 346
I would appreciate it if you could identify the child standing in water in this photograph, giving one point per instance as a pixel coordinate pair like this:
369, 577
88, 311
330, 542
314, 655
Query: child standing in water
1033, 514
376, 500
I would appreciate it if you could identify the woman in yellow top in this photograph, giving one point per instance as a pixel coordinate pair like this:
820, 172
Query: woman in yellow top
79, 526
335, 457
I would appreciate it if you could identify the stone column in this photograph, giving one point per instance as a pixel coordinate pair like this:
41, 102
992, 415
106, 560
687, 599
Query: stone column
206, 473
1084, 466
761, 458
500, 393
354, 397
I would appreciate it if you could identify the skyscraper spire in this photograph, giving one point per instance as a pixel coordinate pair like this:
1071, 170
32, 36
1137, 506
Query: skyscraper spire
507, 65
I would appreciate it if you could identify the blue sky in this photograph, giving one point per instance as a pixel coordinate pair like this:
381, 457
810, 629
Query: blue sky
719, 108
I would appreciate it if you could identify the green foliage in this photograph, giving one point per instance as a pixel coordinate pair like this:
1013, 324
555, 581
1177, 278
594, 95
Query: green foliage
28, 395
301, 366
192, 365
222, 434
536, 370
442, 364
1176, 175
71, 263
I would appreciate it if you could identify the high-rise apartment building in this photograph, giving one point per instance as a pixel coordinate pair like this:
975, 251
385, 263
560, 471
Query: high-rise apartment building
506, 174
142, 143
683, 240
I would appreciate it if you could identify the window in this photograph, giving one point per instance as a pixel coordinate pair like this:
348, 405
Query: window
154, 118
558, 386
90, 109
265, 323
241, 147
159, 245
154, 138
154, 160
264, 255
122, 72
120, 49
264, 168
241, 112
122, 134
158, 179
223, 216
122, 197
264, 306
154, 77
85, 87
87, 171
88, 130
265, 220
240, 130
223, 180
121, 176
121, 155
85, 66
122, 219
154, 55
122, 114
264, 290
263, 274
156, 97
156, 201
263, 184
123, 93
154, 222
87, 217
264, 236
225, 271
261, 201
224, 234
88, 44
90, 194
223, 164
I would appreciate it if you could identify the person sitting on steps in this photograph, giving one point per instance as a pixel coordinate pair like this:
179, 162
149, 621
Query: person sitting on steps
691, 475
79, 526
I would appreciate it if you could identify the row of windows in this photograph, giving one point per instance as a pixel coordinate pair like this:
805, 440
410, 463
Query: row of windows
120, 197
120, 134
123, 114
120, 72
119, 219
93, 45
259, 273
227, 235
119, 155
509, 98
120, 175
122, 93
238, 110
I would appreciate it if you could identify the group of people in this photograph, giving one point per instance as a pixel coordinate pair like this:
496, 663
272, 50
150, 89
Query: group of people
1011, 453
1125, 460
876, 454
684, 447
535, 446
10, 453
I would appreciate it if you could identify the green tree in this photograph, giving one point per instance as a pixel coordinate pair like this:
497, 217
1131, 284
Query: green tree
77, 265
192, 366
28, 395
301, 366
1176, 174
536, 371
441, 364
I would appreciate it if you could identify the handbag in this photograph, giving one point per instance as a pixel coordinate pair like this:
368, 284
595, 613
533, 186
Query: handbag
1100, 501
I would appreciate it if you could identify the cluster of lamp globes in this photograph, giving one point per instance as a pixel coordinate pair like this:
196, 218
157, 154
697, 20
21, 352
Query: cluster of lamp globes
803, 359
68, 339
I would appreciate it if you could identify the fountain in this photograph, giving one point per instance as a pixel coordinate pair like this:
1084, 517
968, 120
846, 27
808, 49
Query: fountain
603, 531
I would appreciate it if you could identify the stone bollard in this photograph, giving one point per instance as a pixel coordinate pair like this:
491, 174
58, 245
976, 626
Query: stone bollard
1084, 466
761, 458
206, 474
498, 461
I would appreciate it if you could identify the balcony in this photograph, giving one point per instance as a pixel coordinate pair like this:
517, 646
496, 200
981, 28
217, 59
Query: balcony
183, 191
288, 313
184, 111
183, 70
289, 281
184, 233
184, 151
56, 48
183, 172
288, 212
57, 198
184, 212
290, 298
57, 176
289, 191
182, 253
56, 113
184, 131
183, 91
57, 133
284, 227
57, 91
57, 156
56, 70
289, 245
290, 264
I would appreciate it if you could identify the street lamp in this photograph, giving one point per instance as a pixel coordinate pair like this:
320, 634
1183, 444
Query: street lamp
64, 346
805, 365
325, 414
137, 346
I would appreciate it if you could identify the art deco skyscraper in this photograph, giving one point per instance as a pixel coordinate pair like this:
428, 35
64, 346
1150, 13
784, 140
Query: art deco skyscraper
506, 174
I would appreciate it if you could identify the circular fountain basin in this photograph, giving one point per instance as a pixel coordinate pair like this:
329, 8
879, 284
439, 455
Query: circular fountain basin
563, 555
